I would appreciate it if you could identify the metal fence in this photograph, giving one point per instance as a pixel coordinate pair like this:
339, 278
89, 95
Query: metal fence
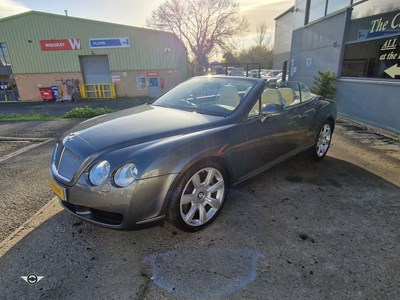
97, 91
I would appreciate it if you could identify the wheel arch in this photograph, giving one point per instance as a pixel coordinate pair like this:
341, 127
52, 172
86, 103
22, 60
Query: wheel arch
331, 120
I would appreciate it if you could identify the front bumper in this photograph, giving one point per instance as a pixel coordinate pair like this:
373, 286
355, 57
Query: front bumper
109, 206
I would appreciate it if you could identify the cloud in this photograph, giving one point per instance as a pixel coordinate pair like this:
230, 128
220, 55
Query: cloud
265, 12
11, 7
258, 12
254, 4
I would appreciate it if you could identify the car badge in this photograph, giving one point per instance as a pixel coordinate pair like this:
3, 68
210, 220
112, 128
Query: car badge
69, 137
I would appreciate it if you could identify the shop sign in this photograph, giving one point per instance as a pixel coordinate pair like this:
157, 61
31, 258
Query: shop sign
121, 42
389, 50
393, 71
389, 54
55, 45
153, 74
382, 25
115, 78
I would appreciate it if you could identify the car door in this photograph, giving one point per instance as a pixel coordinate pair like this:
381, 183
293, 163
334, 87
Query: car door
268, 140
300, 109
307, 117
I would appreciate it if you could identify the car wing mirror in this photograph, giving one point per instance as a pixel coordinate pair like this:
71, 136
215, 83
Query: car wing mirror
270, 110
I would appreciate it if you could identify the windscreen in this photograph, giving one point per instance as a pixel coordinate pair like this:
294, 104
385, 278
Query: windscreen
207, 95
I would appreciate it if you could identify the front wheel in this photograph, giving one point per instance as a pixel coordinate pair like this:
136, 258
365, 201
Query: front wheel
323, 140
198, 198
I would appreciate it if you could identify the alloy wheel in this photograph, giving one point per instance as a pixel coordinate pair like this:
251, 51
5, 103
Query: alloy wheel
202, 197
324, 140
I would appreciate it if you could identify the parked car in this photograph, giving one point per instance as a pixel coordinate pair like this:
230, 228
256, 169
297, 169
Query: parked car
4, 85
237, 71
176, 157
274, 79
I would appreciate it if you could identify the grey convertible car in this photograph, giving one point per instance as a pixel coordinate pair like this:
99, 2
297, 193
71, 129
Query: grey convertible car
176, 157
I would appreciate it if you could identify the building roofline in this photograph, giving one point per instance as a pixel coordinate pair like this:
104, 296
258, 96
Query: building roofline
291, 9
34, 12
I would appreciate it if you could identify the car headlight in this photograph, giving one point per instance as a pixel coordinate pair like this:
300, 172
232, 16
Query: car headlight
125, 175
99, 172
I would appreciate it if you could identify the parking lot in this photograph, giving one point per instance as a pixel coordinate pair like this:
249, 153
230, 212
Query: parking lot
303, 230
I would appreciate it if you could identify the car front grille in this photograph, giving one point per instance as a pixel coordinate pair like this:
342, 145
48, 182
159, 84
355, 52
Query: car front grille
65, 162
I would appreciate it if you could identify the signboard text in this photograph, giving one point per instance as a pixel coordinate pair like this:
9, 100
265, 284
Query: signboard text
66, 44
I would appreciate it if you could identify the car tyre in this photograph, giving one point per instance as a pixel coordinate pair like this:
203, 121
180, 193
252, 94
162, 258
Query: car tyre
198, 197
323, 140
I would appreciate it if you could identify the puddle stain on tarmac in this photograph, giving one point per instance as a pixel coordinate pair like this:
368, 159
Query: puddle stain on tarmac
204, 273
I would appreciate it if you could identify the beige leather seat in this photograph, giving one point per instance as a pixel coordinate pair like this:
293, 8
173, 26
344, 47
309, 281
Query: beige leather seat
229, 96
288, 95
271, 96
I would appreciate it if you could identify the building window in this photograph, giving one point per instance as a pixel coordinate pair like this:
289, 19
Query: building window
317, 9
4, 57
373, 59
335, 5
374, 7
141, 83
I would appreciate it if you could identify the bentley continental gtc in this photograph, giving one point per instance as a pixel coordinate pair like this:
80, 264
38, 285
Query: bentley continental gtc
176, 157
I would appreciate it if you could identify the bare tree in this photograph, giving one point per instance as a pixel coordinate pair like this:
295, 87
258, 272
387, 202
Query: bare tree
262, 39
202, 25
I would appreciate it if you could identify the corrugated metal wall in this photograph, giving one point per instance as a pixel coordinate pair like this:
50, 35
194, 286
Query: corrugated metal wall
146, 51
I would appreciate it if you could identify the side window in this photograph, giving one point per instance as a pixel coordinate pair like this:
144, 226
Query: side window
255, 111
290, 93
306, 95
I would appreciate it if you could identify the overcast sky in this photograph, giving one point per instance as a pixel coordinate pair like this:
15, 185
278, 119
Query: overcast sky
132, 12
135, 12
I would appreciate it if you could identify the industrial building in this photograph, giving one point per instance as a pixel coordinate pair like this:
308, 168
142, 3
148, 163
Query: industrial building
45, 49
359, 40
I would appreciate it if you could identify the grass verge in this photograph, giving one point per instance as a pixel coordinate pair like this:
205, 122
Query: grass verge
30, 117
87, 112
78, 113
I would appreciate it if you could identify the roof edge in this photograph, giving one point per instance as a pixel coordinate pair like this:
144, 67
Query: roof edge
35, 12
291, 9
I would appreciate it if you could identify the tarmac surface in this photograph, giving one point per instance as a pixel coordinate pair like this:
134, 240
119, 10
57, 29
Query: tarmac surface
302, 230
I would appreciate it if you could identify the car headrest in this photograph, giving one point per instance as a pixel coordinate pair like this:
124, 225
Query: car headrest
229, 95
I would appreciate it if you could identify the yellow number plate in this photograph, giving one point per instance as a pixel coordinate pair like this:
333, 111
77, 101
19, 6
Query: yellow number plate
58, 190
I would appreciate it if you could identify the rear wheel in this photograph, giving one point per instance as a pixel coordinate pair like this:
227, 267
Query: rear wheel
323, 140
199, 197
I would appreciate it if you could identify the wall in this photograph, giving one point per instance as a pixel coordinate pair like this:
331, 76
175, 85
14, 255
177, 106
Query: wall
149, 49
317, 47
29, 84
373, 102
127, 87
283, 39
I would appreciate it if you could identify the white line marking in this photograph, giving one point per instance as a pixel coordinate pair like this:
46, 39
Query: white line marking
15, 138
27, 148
46, 212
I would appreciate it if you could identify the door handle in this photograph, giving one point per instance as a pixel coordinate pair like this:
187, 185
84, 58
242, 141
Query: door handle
302, 116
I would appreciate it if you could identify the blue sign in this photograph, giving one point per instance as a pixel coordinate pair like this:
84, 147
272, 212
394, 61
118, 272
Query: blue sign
122, 42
